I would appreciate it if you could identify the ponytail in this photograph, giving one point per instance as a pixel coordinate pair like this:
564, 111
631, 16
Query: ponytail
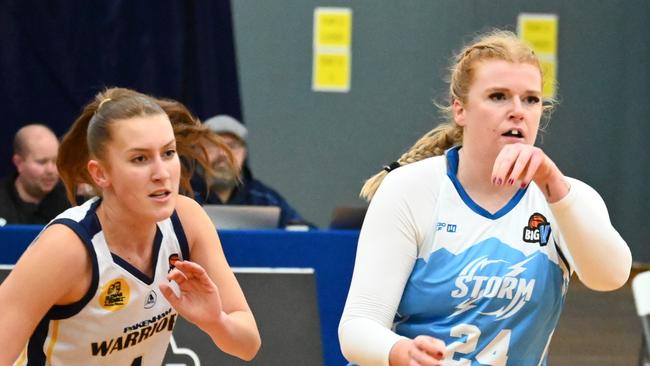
90, 132
192, 138
433, 143
73, 154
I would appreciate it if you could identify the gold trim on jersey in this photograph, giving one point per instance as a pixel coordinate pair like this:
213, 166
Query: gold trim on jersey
22, 358
55, 335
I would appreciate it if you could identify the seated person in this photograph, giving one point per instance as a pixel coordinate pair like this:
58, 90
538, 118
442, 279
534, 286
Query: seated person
33, 194
225, 187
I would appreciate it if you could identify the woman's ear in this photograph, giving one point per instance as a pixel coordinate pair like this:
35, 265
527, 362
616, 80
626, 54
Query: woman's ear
98, 173
458, 112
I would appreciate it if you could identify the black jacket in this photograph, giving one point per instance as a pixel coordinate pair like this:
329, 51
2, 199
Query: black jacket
15, 211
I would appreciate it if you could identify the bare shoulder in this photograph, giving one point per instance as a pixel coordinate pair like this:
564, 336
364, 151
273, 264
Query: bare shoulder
195, 221
56, 266
190, 212
187, 206
58, 245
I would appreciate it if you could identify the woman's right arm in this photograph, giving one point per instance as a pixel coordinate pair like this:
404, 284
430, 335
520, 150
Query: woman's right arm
386, 253
210, 295
51, 271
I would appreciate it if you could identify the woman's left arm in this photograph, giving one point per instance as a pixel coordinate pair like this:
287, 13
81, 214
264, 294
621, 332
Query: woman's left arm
598, 253
210, 296
600, 256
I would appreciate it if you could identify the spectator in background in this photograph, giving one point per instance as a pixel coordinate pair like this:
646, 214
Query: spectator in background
226, 187
33, 194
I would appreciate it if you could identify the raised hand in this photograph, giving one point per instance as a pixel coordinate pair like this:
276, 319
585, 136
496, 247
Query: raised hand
199, 300
522, 163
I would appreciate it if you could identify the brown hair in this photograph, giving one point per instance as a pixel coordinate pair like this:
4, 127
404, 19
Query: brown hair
90, 133
495, 45
192, 138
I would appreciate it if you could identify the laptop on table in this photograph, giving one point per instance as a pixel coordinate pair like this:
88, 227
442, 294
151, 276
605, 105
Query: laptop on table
243, 217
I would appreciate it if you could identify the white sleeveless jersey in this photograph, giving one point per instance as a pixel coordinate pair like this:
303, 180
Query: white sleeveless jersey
123, 319
491, 286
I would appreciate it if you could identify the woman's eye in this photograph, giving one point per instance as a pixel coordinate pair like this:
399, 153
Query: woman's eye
170, 153
498, 96
532, 99
138, 159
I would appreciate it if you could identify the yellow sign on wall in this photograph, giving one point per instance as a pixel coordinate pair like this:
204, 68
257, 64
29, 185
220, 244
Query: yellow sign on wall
540, 31
332, 45
332, 71
333, 27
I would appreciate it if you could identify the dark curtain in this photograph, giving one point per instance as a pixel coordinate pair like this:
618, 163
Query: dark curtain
55, 55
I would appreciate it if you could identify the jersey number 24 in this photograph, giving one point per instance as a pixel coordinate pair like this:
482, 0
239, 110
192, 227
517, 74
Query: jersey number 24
494, 354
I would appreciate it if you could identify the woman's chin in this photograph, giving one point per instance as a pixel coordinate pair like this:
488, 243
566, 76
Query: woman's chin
164, 210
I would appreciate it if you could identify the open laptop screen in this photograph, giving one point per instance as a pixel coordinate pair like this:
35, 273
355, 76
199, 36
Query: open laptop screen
243, 217
348, 217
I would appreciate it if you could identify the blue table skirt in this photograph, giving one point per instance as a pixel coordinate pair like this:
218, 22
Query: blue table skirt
329, 252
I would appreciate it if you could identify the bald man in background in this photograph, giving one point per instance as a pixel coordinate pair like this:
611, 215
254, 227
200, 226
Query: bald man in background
33, 193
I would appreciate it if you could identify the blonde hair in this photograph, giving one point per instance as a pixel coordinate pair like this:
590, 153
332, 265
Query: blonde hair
495, 45
90, 133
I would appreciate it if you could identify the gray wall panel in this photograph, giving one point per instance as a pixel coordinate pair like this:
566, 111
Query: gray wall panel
317, 148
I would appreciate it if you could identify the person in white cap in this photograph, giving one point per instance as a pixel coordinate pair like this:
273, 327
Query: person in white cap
226, 187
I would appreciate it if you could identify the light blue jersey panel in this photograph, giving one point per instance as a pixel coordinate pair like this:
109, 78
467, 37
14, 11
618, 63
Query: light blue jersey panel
498, 293
491, 286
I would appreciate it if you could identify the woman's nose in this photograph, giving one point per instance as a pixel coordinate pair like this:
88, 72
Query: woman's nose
160, 170
517, 112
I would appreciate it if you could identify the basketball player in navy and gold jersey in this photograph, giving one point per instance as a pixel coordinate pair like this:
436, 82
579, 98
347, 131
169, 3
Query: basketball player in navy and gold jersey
469, 242
104, 282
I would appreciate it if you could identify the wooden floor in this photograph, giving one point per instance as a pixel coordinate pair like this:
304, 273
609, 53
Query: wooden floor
597, 329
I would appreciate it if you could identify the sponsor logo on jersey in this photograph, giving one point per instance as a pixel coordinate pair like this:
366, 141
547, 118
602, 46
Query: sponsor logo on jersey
150, 301
538, 230
507, 293
135, 334
450, 228
114, 294
172, 261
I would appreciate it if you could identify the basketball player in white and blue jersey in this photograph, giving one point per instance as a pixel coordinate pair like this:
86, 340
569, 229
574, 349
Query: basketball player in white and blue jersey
104, 282
468, 245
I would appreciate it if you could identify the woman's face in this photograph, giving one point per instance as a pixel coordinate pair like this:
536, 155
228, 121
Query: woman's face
504, 106
142, 167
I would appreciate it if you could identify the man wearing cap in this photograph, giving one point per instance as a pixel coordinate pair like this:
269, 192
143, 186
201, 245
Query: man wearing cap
33, 194
227, 188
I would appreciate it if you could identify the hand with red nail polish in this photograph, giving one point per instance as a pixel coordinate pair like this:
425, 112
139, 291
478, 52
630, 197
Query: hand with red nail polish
526, 163
421, 351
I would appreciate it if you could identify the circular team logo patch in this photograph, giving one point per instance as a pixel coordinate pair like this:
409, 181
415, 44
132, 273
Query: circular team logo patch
114, 295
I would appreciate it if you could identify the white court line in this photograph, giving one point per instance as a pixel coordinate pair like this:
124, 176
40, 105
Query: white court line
182, 351
273, 270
